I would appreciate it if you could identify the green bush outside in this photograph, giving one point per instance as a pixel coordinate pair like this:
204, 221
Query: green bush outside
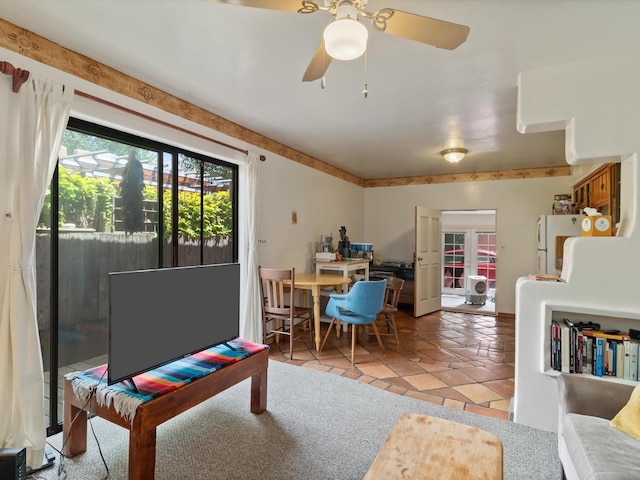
87, 202
83, 201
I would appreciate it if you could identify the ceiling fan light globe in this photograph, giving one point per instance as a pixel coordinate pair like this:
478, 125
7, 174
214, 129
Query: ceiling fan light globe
345, 39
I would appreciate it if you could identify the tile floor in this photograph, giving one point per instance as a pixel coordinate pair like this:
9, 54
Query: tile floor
460, 360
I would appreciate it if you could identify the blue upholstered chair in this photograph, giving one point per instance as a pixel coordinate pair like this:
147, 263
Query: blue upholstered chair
359, 306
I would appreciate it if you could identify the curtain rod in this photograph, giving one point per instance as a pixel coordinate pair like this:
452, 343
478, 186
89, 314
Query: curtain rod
166, 124
19, 76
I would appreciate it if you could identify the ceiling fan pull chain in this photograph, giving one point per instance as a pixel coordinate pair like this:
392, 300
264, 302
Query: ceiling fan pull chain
324, 69
365, 92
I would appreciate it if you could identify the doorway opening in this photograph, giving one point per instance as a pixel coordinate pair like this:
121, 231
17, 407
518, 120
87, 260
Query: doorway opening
469, 261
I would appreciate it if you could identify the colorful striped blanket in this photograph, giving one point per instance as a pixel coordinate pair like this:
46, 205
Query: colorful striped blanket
159, 380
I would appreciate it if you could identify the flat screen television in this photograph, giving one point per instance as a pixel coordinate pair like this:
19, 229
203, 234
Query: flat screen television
158, 316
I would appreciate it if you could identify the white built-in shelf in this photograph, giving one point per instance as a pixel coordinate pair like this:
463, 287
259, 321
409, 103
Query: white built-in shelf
607, 378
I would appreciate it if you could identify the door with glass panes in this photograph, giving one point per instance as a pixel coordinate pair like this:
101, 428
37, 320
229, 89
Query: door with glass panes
467, 251
118, 202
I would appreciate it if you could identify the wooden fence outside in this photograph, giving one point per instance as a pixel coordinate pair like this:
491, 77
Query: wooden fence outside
87, 257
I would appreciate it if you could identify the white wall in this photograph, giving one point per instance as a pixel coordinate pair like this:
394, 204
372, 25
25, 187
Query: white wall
383, 216
478, 219
323, 204
389, 220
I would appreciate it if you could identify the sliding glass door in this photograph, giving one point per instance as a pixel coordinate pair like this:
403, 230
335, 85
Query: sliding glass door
111, 208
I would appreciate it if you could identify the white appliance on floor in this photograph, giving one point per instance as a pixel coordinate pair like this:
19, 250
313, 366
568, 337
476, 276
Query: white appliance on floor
552, 231
476, 289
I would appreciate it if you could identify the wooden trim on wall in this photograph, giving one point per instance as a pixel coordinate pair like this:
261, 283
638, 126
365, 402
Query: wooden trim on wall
472, 177
31, 45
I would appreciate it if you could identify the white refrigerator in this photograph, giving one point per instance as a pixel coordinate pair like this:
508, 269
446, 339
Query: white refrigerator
552, 231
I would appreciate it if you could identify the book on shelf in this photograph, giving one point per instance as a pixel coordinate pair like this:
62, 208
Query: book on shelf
633, 360
622, 336
612, 357
588, 365
627, 358
565, 350
598, 356
620, 359
555, 345
595, 352
579, 360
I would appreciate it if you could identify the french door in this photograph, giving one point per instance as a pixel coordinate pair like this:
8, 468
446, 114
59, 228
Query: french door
467, 251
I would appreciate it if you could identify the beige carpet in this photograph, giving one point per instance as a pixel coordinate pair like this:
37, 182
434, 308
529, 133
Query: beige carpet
317, 426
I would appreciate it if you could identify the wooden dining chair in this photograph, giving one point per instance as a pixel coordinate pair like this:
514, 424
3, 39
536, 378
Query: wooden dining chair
390, 307
280, 315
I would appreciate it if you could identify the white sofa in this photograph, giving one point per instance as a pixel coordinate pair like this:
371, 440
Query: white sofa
589, 447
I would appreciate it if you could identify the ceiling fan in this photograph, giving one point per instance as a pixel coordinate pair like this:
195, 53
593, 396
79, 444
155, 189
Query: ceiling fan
345, 38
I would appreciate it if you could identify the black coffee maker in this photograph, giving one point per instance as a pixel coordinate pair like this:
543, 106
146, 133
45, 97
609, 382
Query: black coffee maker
344, 245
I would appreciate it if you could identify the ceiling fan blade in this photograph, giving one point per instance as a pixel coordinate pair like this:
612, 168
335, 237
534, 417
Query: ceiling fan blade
302, 6
439, 33
318, 66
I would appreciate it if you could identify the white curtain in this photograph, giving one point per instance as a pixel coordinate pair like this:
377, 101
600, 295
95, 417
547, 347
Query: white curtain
32, 124
251, 321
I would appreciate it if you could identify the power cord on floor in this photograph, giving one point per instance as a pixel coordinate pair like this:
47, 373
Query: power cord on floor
62, 471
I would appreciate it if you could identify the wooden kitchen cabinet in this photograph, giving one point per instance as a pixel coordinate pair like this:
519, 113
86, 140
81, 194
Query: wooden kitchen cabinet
600, 190
581, 192
406, 294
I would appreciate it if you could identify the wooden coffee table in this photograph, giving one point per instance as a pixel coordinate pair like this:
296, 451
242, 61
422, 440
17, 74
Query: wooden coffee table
142, 431
421, 447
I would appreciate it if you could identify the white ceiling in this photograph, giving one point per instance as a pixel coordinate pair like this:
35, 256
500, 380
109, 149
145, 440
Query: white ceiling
246, 64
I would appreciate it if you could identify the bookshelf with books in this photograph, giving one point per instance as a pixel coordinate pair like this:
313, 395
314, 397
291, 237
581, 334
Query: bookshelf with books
536, 398
603, 347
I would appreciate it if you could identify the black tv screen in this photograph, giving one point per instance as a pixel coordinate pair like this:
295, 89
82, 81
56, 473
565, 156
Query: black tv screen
158, 316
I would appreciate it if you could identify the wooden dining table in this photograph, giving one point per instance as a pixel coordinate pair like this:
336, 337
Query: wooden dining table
316, 282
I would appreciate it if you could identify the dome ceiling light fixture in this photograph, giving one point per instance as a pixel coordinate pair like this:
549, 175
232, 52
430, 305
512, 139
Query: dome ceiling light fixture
345, 38
454, 155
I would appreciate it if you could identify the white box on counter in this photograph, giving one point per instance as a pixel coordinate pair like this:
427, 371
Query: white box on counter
325, 256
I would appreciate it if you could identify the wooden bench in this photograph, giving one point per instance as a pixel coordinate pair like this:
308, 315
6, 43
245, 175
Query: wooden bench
142, 431
421, 448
